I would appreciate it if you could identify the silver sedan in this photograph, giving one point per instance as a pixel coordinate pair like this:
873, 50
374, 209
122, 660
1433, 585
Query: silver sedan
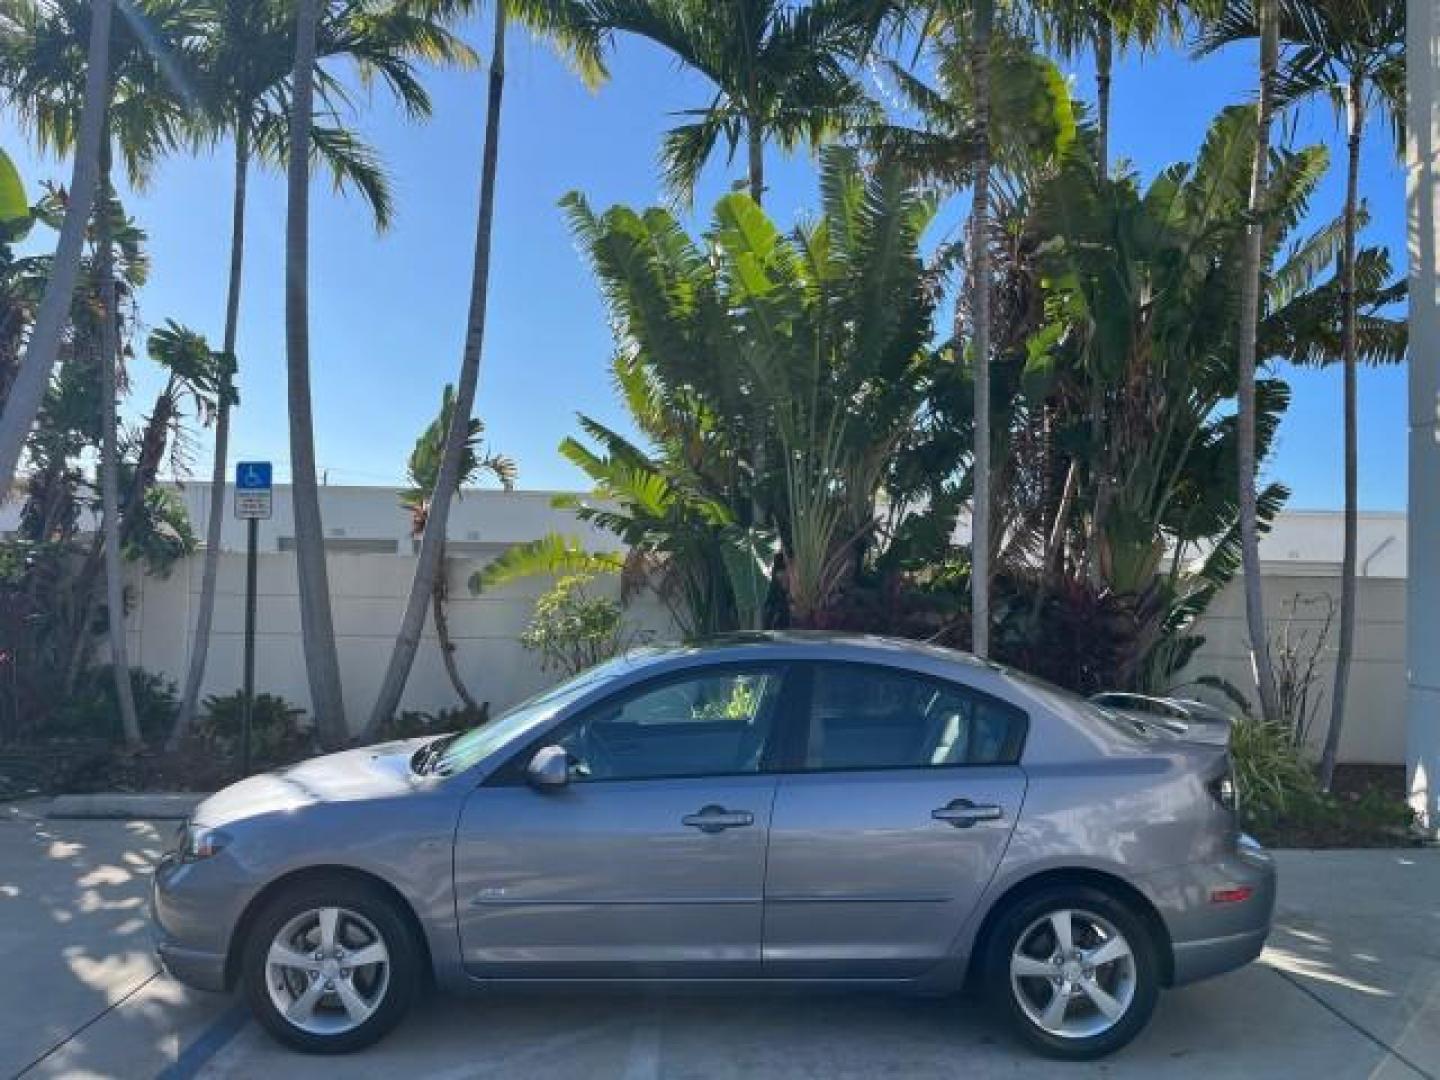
762, 810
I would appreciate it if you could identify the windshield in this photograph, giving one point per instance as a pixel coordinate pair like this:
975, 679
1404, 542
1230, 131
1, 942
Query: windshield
479, 743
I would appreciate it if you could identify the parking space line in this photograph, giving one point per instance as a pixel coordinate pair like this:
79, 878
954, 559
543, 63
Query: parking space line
211, 1041
90, 1023
1355, 1026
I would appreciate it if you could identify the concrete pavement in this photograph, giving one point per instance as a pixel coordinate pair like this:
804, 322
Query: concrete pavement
1349, 988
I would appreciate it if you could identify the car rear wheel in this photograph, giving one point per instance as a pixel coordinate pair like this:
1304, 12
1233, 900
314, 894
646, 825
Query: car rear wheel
331, 966
1074, 971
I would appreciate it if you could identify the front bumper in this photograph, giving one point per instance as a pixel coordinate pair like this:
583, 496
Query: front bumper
201, 970
184, 938
1209, 937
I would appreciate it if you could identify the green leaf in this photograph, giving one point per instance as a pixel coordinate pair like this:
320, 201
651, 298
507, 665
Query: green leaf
552, 554
13, 204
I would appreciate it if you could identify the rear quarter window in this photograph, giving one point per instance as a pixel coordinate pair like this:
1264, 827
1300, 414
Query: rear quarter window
864, 716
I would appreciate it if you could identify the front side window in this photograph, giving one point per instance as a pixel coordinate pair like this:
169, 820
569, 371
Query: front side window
865, 717
713, 723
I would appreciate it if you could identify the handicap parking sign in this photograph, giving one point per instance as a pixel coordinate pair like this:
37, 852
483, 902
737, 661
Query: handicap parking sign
253, 490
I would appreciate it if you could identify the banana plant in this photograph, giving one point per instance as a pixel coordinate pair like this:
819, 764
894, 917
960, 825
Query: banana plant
806, 349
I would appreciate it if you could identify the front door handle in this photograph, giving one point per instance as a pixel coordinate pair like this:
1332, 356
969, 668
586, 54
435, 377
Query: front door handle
962, 813
714, 819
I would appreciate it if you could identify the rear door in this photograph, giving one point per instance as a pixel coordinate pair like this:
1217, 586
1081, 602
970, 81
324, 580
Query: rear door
894, 807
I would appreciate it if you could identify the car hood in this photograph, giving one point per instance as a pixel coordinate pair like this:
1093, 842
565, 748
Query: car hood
369, 772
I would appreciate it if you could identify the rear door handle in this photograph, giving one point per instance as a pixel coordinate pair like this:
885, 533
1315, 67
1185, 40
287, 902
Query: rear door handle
714, 819
962, 813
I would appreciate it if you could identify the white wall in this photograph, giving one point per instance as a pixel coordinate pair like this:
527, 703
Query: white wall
1375, 710
369, 594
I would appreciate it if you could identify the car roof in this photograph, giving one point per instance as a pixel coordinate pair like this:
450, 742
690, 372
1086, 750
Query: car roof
821, 644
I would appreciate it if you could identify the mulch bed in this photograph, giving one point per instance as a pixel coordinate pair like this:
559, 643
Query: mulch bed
80, 766
1357, 779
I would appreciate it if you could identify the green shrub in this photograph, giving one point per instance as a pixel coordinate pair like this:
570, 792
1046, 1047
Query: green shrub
93, 710
277, 732
573, 629
1270, 772
413, 723
1281, 801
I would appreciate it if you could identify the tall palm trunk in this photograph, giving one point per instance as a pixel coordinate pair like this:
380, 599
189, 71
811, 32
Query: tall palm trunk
1104, 62
1349, 360
110, 456
215, 523
316, 625
1269, 24
429, 562
980, 314
22, 402
755, 145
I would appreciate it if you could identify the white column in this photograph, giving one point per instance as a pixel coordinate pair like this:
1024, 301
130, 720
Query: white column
1423, 592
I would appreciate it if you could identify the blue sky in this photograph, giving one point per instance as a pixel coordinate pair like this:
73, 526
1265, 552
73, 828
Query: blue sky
388, 312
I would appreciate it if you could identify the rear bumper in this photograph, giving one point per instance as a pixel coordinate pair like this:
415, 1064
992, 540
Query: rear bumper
1195, 960
1210, 936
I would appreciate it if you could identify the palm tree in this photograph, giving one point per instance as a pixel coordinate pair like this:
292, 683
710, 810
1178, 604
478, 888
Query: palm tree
1268, 23
247, 58
955, 144
780, 70
19, 28
422, 472
143, 102
565, 24
194, 373
317, 626
980, 290
1104, 27
1353, 53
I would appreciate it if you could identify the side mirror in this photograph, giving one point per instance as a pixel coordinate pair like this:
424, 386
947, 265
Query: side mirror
549, 769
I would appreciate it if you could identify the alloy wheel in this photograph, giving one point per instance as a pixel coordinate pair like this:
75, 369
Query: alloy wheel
1073, 974
327, 970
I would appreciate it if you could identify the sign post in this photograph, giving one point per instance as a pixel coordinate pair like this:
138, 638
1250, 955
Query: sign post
253, 504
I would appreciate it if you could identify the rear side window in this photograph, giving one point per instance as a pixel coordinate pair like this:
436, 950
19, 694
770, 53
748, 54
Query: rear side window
867, 717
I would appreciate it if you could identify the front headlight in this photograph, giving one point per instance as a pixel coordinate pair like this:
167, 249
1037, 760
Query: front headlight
199, 842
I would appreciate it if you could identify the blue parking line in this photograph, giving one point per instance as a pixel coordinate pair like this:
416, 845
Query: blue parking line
211, 1041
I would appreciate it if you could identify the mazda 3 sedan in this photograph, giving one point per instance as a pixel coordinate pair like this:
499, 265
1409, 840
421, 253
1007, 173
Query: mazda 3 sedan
756, 811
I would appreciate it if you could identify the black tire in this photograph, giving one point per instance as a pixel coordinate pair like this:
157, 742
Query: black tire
1003, 997
405, 970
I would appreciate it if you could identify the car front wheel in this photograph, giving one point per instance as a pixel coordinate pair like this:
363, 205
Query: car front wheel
330, 967
1074, 971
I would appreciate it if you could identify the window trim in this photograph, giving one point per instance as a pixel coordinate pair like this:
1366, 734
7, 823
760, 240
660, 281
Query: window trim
796, 738
511, 773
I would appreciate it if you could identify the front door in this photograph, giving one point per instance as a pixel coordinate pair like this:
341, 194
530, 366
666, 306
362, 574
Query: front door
650, 862
890, 824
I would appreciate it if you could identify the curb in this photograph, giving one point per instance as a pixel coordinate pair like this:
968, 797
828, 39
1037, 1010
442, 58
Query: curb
114, 805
